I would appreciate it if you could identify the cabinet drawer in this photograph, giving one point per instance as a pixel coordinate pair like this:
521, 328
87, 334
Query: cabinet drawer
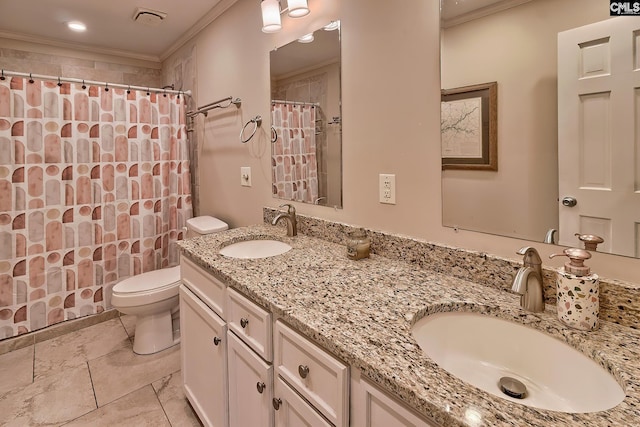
209, 289
319, 377
251, 323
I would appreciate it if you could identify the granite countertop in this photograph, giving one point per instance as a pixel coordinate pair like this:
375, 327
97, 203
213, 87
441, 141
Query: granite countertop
362, 311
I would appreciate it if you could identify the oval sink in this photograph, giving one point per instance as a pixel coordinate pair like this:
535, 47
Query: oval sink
253, 249
482, 350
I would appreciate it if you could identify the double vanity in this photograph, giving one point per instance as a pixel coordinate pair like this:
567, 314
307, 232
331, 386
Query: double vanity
307, 334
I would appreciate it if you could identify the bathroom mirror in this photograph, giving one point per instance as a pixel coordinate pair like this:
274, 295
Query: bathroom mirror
306, 120
514, 43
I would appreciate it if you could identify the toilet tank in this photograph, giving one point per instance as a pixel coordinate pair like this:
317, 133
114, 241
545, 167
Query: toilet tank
201, 225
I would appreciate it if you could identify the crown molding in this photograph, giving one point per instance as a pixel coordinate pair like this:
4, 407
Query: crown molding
483, 11
202, 23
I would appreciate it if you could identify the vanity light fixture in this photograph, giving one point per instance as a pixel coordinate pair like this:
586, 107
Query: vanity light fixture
77, 26
271, 12
307, 38
331, 26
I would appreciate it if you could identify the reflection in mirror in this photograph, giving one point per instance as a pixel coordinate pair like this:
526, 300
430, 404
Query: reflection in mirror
306, 132
514, 43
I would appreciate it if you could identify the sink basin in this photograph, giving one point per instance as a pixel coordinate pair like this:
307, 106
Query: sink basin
481, 350
253, 249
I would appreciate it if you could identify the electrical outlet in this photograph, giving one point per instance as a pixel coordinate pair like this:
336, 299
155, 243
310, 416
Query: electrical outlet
388, 188
245, 176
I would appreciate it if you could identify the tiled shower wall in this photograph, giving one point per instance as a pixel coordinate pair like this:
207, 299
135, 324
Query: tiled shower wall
30, 60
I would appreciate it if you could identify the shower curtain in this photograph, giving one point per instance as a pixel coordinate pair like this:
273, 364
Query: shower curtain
294, 161
94, 187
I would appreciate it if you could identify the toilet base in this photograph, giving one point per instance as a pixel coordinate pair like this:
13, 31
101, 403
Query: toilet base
154, 333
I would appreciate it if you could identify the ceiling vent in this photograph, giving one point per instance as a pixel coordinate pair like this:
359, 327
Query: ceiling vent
151, 18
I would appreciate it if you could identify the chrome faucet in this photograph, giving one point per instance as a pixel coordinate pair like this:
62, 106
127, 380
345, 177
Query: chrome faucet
290, 217
528, 281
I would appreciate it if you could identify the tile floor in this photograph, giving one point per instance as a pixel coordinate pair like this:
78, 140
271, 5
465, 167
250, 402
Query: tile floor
91, 377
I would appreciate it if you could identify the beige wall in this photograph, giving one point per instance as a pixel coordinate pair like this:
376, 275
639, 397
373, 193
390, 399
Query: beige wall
391, 110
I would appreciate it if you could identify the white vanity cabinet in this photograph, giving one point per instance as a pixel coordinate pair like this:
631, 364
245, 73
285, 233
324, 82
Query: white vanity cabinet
204, 359
241, 367
250, 386
372, 407
203, 344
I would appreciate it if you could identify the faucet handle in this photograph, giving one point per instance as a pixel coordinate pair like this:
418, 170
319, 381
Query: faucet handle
290, 208
531, 256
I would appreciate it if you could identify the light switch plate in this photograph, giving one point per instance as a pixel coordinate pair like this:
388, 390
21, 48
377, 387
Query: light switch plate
245, 176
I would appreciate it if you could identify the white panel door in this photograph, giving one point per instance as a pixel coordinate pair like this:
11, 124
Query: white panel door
598, 106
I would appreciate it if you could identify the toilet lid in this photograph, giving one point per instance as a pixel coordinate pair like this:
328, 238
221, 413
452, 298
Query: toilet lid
206, 224
150, 280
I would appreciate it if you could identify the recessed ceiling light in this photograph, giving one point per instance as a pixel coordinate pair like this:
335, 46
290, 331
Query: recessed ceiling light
77, 26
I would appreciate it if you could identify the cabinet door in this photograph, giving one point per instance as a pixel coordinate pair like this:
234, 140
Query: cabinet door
291, 410
372, 407
250, 386
204, 359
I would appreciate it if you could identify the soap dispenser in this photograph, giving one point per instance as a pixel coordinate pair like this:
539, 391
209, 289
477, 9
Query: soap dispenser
578, 301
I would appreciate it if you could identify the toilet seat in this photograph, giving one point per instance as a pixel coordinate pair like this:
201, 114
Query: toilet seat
147, 288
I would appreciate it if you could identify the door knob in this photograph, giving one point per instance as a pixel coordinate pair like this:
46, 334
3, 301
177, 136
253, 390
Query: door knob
303, 370
244, 322
569, 202
216, 340
276, 403
260, 386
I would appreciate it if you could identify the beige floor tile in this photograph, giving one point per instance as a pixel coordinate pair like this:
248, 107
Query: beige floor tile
121, 372
129, 323
76, 348
140, 408
175, 404
49, 401
17, 369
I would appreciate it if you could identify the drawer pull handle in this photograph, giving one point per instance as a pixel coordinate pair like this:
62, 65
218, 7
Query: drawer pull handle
276, 403
216, 340
303, 370
244, 322
260, 386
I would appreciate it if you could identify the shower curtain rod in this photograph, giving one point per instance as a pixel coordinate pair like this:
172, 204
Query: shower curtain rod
278, 101
5, 73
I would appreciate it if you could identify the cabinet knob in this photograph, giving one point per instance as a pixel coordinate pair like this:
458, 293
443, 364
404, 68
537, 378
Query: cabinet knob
260, 386
276, 403
303, 370
216, 340
244, 322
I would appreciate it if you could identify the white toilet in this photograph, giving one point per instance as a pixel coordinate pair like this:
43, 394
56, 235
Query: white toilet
153, 296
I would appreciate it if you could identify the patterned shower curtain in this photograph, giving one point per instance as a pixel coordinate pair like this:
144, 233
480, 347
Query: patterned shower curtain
94, 187
294, 161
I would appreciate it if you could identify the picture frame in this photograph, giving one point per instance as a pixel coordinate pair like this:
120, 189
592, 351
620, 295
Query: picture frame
469, 127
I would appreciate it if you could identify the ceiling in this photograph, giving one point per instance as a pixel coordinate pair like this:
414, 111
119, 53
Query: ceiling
110, 25
112, 30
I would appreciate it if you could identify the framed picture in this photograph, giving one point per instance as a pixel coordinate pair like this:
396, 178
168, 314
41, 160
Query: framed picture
469, 127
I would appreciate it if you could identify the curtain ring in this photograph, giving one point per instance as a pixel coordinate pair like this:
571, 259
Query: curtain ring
2, 77
129, 89
31, 79
165, 93
274, 135
257, 121
148, 92
59, 82
84, 86
106, 87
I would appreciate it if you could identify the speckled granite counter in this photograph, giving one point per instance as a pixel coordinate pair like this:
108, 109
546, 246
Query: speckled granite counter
362, 311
